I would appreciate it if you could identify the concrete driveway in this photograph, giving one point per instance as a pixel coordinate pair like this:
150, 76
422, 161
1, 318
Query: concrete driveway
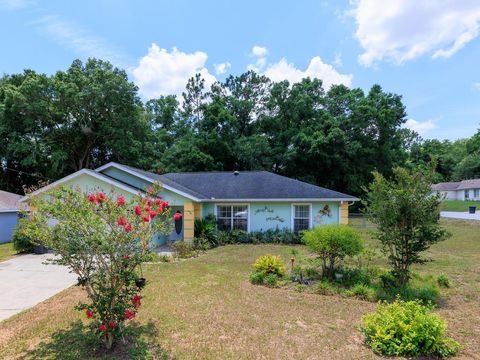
25, 281
460, 215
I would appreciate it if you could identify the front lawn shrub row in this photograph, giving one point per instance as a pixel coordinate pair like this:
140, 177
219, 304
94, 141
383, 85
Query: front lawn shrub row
206, 237
407, 329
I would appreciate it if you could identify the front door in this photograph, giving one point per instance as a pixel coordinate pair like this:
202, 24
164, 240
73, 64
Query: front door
177, 232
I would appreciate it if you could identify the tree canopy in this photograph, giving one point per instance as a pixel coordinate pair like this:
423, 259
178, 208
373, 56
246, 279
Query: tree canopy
91, 114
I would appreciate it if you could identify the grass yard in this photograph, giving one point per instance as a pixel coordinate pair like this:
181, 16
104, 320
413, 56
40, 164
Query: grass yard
205, 308
7, 251
458, 205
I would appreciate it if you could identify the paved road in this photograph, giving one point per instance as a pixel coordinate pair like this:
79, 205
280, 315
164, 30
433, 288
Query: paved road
25, 281
460, 215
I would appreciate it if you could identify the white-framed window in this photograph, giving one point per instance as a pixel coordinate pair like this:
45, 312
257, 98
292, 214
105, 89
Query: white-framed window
232, 217
301, 217
475, 193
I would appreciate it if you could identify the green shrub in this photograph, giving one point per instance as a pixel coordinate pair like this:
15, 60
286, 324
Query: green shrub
300, 287
22, 242
271, 280
277, 236
152, 256
332, 243
352, 276
363, 292
443, 281
205, 236
325, 288
183, 249
257, 277
270, 264
407, 329
425, 293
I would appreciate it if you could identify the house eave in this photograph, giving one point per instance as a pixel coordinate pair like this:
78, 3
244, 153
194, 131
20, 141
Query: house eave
283, 200
146, 178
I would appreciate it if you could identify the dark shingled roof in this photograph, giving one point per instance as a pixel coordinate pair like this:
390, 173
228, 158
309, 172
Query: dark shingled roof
249, 185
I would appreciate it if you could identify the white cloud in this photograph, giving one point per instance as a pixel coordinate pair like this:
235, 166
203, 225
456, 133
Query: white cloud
161, 72
221, 68
15, 4
420, 127
260, 54
401, 30
283, 70
77, 39
338, 60
476, 86
259, 51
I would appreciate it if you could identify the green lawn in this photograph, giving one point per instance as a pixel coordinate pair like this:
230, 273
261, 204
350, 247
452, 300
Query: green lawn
458, 205
205, 308
7, 251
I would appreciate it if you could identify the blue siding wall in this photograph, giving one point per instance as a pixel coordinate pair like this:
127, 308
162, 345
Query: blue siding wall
278, 215
8, 221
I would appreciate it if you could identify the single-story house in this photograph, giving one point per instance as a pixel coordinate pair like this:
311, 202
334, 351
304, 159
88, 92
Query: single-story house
245, 200
9, 212
460, 190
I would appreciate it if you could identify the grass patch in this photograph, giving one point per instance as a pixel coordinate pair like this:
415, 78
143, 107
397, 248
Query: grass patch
7, 251
206, 307
458, 205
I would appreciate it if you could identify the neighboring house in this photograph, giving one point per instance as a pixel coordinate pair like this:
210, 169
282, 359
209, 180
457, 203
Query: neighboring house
246, 200
461, 190
9, 208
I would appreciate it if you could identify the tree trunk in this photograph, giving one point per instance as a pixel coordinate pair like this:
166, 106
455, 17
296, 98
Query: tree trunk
108, 340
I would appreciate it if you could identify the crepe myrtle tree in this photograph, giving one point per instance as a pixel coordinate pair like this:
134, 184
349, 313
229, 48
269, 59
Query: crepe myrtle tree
103, 239
407, 215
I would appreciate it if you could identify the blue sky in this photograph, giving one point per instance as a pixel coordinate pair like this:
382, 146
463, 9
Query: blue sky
426, 51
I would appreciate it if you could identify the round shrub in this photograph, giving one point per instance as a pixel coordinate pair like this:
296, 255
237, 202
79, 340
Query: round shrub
333, 243
270, 264
407, 329
257, 277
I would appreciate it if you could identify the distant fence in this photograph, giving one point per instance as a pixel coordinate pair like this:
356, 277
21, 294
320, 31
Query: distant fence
360, 220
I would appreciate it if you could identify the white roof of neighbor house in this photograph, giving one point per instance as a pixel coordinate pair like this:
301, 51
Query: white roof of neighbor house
459, 185
469, 184
9, 201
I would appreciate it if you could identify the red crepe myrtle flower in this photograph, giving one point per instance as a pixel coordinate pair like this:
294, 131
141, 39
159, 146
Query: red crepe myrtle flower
128, 227
150, 189
158, 201
122, 221
147, 208
101, 197
149, 202
177, 216
102, 328
89, 314
126, 257
166, 204
92, 198
138, 210
152, 214
121, 200
129, 314
136, 301
146, 219
112, 324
